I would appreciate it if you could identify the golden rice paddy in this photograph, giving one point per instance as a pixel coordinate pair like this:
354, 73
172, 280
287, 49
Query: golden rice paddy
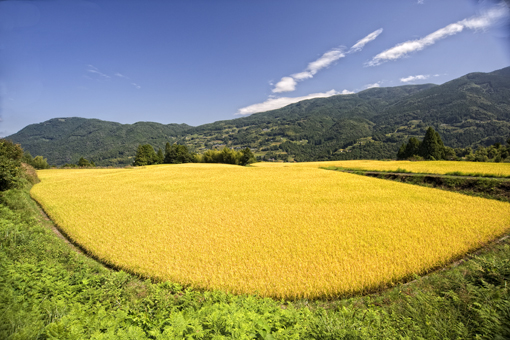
283, 231
428, 167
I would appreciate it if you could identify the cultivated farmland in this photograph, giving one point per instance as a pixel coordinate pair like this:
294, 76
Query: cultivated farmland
428, 167
280, 231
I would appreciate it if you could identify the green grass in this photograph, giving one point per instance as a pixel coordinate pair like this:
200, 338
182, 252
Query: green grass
475, 174
48, 291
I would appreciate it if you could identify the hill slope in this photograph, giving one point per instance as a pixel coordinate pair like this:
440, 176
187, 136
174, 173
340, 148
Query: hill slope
468, 111
64, 140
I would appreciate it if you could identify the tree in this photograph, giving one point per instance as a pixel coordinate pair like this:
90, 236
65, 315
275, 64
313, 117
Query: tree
228, 156
410, 149
176, 154
210, 156
413, 147
27, 158
246, 157
160, 156
10, 164
83, 162
432, 146
145, 155
449, 154
40, 163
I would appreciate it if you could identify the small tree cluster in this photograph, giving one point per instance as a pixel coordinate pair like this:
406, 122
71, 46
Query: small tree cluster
493, 153
84, 163
38, 162
145, 155
177, 154
174, 154
10, 164
431, 148
228, 156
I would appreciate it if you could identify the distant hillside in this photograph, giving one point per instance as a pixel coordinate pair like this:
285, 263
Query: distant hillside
65, 140
469, 111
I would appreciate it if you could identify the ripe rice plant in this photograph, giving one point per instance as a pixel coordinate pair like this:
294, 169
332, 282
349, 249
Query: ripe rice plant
430, 167
279, 231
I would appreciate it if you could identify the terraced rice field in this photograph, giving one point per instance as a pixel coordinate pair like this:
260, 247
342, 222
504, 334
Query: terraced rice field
436, 167
280, 231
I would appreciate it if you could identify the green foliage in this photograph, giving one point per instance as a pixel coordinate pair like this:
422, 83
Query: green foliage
145, 155
228, 156
431, 147
160, 156
411, 149
246, 157
65, 140
40, 162
84, 163
27, 158
10, 164
177, 154
492, 153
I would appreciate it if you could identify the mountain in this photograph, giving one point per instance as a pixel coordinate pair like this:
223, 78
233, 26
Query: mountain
468, 111
65, 140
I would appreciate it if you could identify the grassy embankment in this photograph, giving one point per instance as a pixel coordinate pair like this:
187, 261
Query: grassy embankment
48, 291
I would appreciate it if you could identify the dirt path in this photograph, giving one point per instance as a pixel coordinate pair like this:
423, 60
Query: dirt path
49, 224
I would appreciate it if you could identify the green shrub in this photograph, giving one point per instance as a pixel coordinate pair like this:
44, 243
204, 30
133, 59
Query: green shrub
10, 164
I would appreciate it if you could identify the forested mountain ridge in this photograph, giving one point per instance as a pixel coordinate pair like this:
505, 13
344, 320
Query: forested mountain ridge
473, 109
468, 111
64, 140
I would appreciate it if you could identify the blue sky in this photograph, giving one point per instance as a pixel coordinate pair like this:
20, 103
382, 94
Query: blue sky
199, 61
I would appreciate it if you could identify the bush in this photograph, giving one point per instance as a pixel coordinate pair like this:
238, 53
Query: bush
40, 163
30, 173
10, 164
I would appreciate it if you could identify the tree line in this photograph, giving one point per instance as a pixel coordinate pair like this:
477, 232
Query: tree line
433, 148
177, 154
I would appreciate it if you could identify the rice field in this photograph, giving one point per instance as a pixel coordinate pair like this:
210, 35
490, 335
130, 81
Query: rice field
436, 167
281, 231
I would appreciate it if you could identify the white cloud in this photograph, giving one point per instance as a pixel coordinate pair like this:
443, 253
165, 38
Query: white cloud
276, 103
327, 59
420, 2
369, 86
94, 70
487, 19
302, 75
286, 84
361, 43
403, 49
346, 92
100, 75
413, 78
